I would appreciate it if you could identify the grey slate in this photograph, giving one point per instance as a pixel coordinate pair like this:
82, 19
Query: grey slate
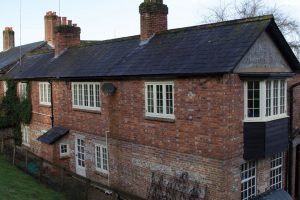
206, 49
274, 195
12, 55
53, 135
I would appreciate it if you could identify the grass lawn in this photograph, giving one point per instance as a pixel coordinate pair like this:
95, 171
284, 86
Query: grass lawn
16, 185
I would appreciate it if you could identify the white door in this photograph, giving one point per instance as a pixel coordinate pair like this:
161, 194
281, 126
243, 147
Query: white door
80, 157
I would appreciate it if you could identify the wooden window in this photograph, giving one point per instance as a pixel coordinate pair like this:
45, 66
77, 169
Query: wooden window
22, 91
25, 134
64, 150
101, 158
159, 99
265, 100
248, 180
86, 95
276, 173
45, 93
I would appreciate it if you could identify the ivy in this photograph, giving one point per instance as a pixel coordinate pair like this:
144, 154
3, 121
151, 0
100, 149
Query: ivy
14, 111
149, 7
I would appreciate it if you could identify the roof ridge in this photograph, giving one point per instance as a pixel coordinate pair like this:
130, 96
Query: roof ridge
84, 43
223, 23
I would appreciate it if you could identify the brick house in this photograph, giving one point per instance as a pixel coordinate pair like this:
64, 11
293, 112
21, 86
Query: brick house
210, 101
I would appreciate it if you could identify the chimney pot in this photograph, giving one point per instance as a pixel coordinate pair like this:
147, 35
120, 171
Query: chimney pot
75, 25
64, 21
69, 22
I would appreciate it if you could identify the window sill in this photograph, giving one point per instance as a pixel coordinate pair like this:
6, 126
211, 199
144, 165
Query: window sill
266, 119
64, 157
87, 110
45, 105
105, 175
159, 119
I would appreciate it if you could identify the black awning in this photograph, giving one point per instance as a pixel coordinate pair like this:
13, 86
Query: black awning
274, 195
52, 135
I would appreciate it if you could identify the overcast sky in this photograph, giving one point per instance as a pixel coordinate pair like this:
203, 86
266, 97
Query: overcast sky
100, 20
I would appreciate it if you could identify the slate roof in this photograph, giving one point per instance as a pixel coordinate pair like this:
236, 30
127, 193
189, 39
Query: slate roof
12, 55
274, 195
53, 135
206, 49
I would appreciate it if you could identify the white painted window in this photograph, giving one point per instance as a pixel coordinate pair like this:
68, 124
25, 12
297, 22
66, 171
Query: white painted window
265, 100
276, 173
159, 99
22, 91
25, 134
45, 93
86, 95
101, 158
5, 88
63, 149
248, 180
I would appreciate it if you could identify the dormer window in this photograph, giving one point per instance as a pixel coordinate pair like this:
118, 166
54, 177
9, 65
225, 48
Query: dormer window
265, 100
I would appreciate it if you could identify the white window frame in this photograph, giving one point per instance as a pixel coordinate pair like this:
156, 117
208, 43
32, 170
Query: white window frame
100, 166
5, 87
45, 93
25, 134
164, 106
276, 172
248, 180
22, 90
63, 154
86, 104
263, 98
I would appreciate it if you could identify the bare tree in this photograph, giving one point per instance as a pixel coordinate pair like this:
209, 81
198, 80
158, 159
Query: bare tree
251, 8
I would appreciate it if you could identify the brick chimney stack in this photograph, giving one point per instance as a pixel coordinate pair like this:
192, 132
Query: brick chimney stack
8, 38
153, 18
60, 33
51, 21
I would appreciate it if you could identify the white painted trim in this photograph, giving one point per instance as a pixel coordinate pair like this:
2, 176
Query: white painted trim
68, 150
155, 114
100, 169
47, 103
263, 95
82, 107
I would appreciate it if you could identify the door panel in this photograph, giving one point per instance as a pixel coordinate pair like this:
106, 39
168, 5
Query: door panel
80, 157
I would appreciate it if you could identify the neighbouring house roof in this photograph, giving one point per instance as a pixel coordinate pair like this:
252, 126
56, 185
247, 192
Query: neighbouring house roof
274, 195
53, 135
12, 55
205, 49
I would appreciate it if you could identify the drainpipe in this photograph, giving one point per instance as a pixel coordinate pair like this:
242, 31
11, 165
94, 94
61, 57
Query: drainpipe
52, 115
289, 163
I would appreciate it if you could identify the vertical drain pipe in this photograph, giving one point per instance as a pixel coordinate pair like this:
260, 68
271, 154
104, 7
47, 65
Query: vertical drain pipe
51, 100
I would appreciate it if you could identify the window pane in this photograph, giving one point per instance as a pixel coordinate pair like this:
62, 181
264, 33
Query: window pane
276, 171
159, 99
248, 180
268, 98
282, 96
97, 95
169, 99
92, 95
49, 93
253, 99
41, 93
104, 150
80, 94
85, 88
275, 97
75, 95
150, 100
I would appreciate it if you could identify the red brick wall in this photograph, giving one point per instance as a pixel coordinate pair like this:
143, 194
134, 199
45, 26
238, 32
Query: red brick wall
205, 139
